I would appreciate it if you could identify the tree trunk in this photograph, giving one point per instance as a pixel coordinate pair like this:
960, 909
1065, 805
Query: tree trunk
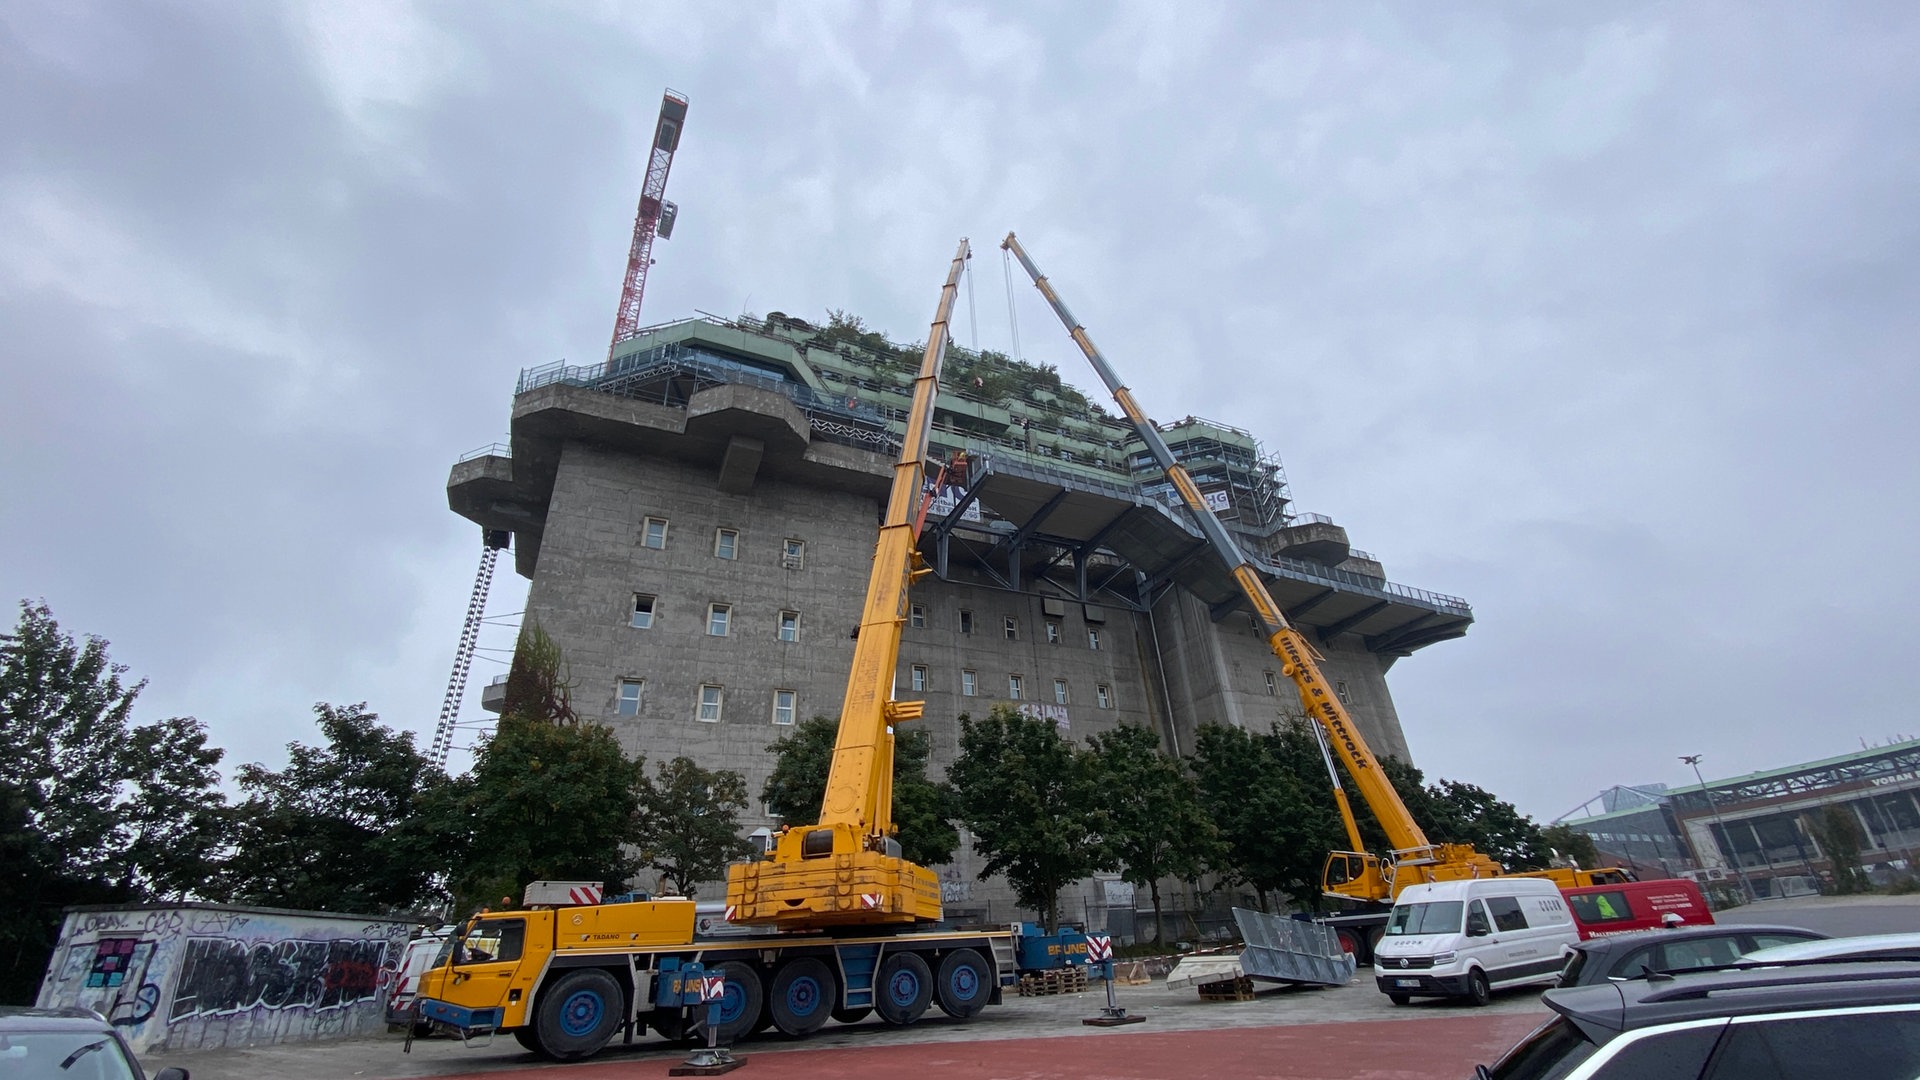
1159, 926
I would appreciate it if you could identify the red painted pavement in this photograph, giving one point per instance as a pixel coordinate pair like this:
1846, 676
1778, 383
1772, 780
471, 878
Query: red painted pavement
1443, 1047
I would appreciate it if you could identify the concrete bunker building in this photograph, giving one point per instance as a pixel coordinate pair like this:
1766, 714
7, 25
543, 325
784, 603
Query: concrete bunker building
697, 516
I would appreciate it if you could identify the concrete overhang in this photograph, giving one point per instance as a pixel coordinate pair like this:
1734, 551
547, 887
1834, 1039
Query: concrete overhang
741, 432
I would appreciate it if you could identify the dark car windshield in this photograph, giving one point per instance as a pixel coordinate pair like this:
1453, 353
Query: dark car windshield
63, 1055
1441, 917
1552, 1051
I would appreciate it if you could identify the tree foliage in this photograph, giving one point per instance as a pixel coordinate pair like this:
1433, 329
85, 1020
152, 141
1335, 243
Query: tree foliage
93, 808
539, 685
688, 823
1840, 837
544, 802
332, 831
1025, 794
1147, 814
1456, 812
1269, 797
923, 809
1571, 845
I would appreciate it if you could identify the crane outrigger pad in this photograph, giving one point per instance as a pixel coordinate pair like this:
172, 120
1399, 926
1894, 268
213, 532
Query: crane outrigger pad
1280, 949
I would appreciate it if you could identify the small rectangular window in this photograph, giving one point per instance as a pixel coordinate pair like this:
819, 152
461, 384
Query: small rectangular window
1340, 691
1053, 633
1273, 688
789, 626
969, 684
783, 706
717, 617
919, 679
726, 544
710, 701
629, 702
1013, 628
1059, 691
1013, 687
966, 622
1105, 695
793, 554
1093, 638
916, 616
653, 533
642, 612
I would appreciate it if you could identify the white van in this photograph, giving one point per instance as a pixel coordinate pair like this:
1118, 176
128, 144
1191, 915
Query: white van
1470, 938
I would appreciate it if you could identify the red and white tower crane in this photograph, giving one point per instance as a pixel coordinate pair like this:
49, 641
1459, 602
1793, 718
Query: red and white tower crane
655, 217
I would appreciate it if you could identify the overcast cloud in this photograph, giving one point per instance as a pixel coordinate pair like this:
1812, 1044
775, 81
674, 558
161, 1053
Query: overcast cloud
1600, 316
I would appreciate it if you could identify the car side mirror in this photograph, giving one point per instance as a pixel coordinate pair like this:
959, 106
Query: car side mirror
1477, 928
170, 1073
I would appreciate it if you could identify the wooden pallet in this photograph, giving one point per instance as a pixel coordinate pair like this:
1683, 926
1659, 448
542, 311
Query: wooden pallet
1066, 980
1240, 989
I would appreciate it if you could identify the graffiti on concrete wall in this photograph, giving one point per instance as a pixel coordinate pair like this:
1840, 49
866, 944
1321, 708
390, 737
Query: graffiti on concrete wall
222, 974
194, 976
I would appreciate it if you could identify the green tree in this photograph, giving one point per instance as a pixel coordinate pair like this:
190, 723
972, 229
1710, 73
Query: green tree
923, 809
1147, 814
1572, 845
1838, 833
1023, 791
1455, 812
93, 808
544, 802
329, 832
539, 683
1268, 796
688, 824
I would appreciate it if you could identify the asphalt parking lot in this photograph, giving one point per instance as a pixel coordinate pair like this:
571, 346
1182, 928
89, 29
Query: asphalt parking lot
1179, 1026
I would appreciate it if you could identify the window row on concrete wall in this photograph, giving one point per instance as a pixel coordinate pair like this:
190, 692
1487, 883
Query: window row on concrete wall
919, 680
718, 618
1050, 629
709, 702
1339, 687
791, 552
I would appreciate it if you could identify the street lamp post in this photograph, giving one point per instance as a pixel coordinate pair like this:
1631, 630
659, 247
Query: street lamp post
1714, 808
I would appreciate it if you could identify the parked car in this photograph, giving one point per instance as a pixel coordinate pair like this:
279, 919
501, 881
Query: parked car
1864, 947
1629, 956
1858, 1020
67, 1044
1599, 910
1469, 938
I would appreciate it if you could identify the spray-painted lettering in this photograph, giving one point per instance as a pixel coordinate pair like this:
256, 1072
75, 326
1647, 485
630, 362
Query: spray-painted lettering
220, 975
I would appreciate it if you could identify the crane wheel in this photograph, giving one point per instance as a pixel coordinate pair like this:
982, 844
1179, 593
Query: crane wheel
739, 1008
801, 996
904, 988
579, 1014
964, 984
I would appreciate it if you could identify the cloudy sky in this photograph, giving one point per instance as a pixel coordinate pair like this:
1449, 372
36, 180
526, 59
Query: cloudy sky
1602, 316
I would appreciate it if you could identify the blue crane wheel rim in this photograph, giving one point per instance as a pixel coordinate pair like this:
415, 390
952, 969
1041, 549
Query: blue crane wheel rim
580, 1013
903, 988
963, 983
805, 996
733, 1002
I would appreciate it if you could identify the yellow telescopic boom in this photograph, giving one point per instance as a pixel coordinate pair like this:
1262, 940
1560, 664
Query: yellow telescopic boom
847, 870
1359, 875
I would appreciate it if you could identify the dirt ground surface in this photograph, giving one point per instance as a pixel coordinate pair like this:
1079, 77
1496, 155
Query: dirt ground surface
1350, 1032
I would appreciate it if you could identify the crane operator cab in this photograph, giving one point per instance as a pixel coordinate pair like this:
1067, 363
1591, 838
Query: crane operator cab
1355, 875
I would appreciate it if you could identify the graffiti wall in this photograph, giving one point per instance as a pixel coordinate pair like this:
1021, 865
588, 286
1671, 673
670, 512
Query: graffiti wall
193, 976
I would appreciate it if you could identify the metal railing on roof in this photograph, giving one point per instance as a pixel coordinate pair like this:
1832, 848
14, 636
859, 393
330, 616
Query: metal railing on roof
489, 450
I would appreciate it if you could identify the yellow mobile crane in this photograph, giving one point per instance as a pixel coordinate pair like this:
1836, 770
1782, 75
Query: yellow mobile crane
1356, 874
843, 922
847, 870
